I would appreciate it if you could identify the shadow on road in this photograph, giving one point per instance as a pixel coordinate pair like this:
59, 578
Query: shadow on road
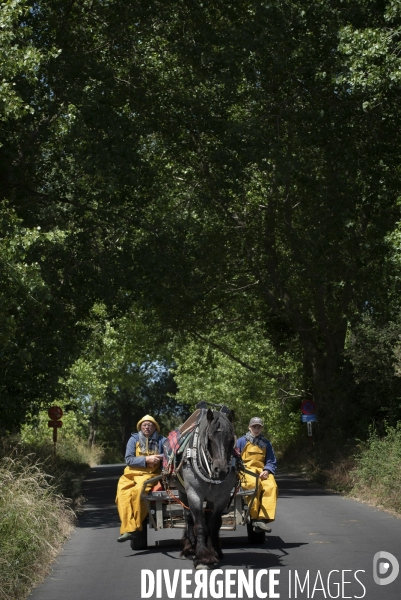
237, 551
99, 490
291, 486
251, 560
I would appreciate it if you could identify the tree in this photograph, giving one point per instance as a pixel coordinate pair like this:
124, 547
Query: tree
373, 349
122, 375
203, 161
121, 408
261, 382
36, 327
293, 175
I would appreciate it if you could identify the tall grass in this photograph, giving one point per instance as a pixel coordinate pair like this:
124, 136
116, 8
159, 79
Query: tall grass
34, 521
38, 490
377, 475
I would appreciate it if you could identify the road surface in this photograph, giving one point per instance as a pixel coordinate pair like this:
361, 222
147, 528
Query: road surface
322, 546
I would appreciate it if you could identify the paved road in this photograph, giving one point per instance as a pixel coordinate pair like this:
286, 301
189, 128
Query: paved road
320, 541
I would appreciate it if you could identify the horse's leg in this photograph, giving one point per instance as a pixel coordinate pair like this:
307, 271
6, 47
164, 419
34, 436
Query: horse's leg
214, 528
211, 525
207, 515
188, 538
221, 500
204, 555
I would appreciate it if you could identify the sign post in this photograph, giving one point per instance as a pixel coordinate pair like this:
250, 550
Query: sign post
308, 408
55, 413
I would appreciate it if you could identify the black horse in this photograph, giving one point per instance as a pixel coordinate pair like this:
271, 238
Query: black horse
207, 473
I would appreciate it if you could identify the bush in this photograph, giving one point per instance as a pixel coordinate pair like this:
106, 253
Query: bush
377, 476
34, 521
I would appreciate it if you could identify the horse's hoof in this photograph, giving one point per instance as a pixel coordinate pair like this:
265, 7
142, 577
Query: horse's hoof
202, 567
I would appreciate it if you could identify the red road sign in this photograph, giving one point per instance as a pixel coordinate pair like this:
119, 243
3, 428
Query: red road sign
308, 407
54, 423
55, 412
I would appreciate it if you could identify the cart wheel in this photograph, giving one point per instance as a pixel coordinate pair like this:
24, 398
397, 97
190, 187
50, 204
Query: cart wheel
255, 537
139, 540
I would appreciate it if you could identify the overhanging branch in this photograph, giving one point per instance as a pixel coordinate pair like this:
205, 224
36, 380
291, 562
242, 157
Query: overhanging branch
229, 354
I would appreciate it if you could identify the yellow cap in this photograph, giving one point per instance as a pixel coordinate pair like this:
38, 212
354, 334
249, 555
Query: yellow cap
148, 418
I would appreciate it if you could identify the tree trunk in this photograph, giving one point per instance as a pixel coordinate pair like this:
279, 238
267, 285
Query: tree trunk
325, 374
93, 425
331, 383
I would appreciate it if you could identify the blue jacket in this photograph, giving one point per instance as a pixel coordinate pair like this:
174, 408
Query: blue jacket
130, 454
270, 457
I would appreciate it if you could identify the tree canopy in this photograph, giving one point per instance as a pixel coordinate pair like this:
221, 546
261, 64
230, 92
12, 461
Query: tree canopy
225, 169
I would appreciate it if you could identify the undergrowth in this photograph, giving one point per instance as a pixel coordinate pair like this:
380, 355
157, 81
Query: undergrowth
38, 492
327, 462
368, 470
67, 466
377, 474
34, 521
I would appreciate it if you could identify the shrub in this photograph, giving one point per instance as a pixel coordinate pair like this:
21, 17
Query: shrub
377, 475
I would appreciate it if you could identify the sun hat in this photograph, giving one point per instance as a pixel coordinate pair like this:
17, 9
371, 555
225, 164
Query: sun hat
256, 421
148, 418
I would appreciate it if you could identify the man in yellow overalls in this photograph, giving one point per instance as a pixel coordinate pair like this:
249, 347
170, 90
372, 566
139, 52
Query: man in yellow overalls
258, 456
143, 457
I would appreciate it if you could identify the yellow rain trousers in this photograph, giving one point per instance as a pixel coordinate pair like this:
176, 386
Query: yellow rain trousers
264, 505
131, 508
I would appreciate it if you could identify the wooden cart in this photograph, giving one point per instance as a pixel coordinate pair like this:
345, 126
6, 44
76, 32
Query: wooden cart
165, 511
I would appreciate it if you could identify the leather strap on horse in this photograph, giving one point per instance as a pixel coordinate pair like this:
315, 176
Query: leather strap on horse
178, 501
175, 499
196, 458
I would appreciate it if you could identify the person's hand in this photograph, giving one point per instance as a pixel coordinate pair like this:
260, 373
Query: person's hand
264, 475
153, 460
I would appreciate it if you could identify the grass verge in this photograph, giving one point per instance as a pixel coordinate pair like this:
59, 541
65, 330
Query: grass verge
39, 490
34, 521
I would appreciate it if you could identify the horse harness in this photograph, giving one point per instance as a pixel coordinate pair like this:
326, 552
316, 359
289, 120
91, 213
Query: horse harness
200, 459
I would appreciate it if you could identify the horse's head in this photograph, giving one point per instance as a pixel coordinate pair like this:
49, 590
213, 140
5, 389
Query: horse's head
219, 441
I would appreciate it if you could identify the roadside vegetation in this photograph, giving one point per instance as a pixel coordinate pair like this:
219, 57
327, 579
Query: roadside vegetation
367, 470
377, 473
40, 492
34, 522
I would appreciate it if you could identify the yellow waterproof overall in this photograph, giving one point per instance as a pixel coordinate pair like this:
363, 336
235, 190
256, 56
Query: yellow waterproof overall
131, 508
264, 505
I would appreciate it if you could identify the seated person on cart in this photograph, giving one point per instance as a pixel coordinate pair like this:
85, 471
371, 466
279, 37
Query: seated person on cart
258, 456
144, 457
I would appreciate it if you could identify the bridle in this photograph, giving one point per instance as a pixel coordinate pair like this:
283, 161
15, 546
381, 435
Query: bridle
200, 458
